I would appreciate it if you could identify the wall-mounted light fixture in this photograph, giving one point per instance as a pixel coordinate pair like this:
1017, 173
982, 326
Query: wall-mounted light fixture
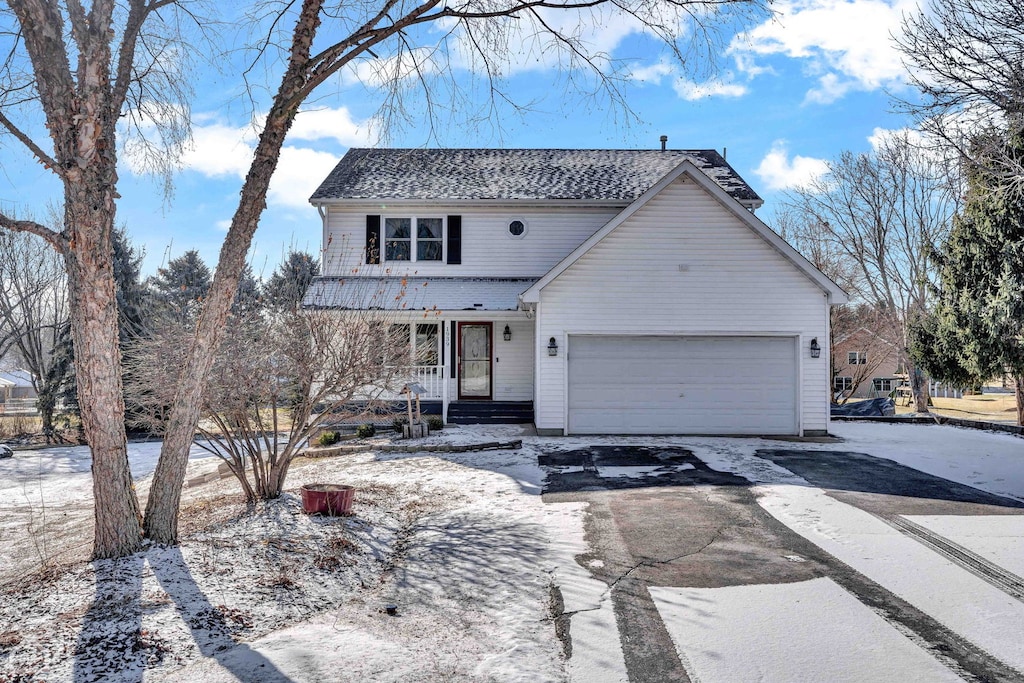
507, 334
552, 347
815, 349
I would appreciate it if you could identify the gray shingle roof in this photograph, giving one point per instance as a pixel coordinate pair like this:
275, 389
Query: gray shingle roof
525, 174
413, 294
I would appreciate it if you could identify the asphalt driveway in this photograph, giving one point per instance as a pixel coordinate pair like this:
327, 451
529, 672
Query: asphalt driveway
744, 559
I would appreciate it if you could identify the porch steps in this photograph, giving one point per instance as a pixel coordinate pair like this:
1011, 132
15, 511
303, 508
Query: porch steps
490, 412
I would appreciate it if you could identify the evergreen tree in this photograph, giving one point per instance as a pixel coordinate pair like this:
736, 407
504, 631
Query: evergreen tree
977, 329
132, 296
247, 298
134, 311
288, 284
182, 285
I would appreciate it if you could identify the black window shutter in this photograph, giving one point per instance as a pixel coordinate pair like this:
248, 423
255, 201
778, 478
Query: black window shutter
373, 239
455, 239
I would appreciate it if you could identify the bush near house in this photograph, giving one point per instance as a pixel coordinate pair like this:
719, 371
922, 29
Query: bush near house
328, 438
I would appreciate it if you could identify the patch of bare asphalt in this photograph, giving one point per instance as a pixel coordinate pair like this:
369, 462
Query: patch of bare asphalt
696, 527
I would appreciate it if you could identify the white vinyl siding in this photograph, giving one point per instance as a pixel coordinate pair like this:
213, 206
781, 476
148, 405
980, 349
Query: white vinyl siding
488, 250
681, 385
682, 265
512, 362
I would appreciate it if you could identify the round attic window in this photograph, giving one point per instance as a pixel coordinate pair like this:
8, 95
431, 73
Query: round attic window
516, 228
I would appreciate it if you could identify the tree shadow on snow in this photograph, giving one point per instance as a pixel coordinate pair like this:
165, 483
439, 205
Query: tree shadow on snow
113, 646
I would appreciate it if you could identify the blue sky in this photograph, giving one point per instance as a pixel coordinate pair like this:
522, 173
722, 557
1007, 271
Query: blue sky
788, 94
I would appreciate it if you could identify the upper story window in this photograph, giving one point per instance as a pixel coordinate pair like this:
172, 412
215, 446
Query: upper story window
857, 358
517, 228
404, 237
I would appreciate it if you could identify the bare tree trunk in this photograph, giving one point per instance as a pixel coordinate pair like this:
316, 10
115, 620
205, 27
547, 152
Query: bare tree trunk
918, 387
98, 366
161, 520
1018, 391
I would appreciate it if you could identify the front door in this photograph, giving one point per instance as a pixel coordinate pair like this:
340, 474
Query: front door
475, 360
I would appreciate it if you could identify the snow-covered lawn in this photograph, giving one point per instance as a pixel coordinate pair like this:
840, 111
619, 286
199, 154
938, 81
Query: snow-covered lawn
464, 546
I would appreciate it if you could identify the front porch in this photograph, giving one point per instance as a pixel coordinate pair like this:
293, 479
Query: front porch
479, 370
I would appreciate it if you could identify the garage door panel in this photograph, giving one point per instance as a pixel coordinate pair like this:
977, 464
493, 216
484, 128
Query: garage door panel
682, 385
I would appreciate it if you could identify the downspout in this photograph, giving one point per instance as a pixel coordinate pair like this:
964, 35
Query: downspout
323, 237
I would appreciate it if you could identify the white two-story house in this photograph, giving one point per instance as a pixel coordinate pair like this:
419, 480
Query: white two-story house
597, 291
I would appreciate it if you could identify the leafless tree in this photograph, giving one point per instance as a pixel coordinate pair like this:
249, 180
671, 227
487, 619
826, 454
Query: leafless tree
126, 68
277, 377
486, 32
886, 213
34, 317
967, 59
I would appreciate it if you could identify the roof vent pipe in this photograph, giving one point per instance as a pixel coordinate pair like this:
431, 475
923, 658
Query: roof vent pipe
664, 141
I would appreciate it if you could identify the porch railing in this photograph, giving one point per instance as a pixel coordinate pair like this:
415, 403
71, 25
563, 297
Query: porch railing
19, 406
430, 377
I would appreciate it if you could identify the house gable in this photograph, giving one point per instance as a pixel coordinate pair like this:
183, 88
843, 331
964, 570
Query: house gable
685, 264
687, 170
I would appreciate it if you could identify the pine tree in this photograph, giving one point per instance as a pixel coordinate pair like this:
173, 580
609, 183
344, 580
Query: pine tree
132, 295
977, 329
247, 298
288, 284
182, 285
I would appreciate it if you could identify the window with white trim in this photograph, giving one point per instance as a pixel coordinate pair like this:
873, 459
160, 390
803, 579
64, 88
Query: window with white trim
882, 384
842, 383
857, 358
413, 239
427, 342
421, 348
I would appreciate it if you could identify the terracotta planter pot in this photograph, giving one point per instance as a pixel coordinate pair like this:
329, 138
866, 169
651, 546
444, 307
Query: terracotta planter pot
327, 499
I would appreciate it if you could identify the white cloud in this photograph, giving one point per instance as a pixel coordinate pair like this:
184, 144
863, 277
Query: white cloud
223, 225
377, 72
299, 172
881, 136
218, 150
652, 73
847, 43
655, 73
779, 172
689, 90
332, 124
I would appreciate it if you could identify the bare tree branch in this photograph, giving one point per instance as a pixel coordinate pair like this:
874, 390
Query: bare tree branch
57, 240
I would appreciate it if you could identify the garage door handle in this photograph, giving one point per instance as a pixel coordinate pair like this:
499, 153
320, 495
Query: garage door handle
682, 395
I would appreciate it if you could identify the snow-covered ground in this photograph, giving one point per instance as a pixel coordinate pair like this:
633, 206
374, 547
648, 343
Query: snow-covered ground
46, 502
464, 546
460, 543
972, 608
802, 632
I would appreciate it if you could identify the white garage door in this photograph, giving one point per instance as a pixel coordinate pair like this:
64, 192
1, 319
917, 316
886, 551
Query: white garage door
682, 385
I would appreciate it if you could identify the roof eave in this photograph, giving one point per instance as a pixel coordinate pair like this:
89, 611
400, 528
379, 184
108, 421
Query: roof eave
391, 201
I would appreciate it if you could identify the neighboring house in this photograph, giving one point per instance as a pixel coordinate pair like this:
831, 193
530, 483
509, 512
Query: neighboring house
613, 291
16, 389
864, 365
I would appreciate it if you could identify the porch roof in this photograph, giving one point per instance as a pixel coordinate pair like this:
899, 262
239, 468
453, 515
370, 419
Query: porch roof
416, 294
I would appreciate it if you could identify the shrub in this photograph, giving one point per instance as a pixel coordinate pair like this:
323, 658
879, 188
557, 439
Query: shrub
435, 423
328, 438
365, 431
399, 422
